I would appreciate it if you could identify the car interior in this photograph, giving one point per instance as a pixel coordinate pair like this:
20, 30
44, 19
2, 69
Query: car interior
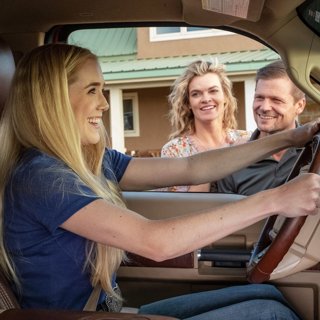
284, 252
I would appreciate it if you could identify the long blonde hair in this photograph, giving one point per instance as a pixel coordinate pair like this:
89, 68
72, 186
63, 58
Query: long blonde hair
38, 114
181, 117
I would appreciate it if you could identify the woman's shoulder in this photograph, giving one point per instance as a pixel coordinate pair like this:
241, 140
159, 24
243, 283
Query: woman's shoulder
179, 141
115, 164
179, 146
38, 172
33, 158
34, 163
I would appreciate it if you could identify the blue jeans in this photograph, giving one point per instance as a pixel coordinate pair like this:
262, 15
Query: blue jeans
249, 302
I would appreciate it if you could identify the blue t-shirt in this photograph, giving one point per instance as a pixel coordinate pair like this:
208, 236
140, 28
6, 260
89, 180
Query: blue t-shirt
42, 194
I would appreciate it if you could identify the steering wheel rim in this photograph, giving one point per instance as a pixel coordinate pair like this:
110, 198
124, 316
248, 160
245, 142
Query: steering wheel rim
267, 254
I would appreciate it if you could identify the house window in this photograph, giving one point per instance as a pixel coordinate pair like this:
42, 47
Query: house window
176, 33
131, 115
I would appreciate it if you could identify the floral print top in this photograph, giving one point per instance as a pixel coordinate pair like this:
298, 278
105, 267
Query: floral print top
186, 146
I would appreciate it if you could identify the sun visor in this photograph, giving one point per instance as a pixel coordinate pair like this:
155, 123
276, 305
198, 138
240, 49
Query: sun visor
244, 9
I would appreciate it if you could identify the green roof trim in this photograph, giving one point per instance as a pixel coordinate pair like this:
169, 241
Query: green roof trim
117, 52
135, 69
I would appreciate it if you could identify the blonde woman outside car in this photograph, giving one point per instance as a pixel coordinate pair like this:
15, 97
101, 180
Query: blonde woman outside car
202, 115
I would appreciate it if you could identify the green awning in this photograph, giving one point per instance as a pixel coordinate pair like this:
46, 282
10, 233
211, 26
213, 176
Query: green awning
117, 52
235, 62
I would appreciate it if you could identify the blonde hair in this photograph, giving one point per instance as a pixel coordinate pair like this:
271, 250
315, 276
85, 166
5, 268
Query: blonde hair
181, 116
38, 114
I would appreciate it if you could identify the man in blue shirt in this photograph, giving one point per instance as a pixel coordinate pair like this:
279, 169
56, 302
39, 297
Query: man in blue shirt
276, 107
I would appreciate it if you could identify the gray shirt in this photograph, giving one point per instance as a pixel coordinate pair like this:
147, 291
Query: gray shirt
265, 174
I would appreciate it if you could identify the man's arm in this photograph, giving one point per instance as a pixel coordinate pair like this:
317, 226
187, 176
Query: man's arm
152, 173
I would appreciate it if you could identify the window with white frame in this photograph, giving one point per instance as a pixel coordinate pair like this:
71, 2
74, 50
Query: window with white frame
131, 115
175, 33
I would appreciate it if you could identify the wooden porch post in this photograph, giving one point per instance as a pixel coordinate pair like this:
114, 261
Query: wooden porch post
249, 86
116, 119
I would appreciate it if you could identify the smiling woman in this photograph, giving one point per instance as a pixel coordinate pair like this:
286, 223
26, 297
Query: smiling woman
88, 101
203, 114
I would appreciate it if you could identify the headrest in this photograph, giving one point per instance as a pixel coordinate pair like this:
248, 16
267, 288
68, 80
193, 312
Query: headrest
7, 69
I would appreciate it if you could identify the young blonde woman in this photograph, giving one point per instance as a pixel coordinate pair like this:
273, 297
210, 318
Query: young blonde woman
64, 225
202, 115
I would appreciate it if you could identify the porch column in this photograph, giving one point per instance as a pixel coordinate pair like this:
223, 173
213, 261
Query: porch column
116, 119
249, 86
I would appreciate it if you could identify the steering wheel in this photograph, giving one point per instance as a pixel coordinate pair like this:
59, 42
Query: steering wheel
268, 253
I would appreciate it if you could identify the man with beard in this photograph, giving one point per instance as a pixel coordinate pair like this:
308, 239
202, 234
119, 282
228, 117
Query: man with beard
276, 107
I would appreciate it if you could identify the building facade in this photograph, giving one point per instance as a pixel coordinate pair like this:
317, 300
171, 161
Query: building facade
140, 64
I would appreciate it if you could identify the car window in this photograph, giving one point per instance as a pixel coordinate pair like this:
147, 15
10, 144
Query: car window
140, 71
143, 71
